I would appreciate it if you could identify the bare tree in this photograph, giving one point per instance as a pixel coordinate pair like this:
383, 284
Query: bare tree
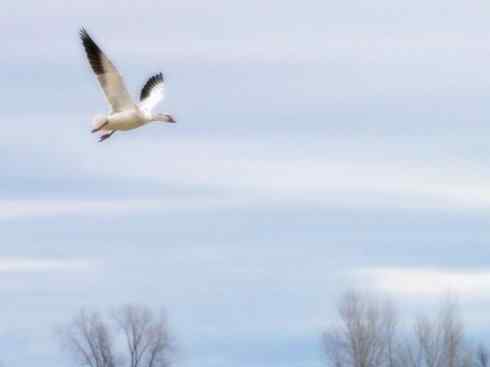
440, 342
366, 334
92, 340
145, 335
482, 357
89, 340
410, 355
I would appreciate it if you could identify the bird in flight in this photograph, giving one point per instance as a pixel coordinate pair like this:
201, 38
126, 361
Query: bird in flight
125, 114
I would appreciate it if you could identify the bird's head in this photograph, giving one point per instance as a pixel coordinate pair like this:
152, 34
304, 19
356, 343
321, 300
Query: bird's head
165, 117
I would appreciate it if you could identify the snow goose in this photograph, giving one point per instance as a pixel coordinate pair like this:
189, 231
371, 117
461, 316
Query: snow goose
125, 114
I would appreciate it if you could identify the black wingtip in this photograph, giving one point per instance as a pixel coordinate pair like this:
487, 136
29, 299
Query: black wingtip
83, 33
150, 84
93, 52
157, 78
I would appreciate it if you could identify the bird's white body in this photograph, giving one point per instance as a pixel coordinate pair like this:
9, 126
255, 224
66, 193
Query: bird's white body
126, 120
125, 114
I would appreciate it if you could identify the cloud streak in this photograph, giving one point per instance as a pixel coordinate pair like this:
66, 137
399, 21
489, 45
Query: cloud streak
15, 209
34, 265
416, 282
35, 208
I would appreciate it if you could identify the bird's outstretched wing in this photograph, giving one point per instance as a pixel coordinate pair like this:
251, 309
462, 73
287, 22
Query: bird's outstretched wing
152, 93
109, 78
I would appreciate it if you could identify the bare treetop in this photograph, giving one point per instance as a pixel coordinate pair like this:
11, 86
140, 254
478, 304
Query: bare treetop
145, 334
365, 337
91, 339
368, 337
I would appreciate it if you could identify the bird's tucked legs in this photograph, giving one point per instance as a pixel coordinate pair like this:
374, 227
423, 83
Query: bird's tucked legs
106, 136
100, 127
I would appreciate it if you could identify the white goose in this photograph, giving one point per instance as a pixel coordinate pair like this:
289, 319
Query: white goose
125, 114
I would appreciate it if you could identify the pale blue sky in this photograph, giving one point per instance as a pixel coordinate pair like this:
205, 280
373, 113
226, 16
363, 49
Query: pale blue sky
319, 146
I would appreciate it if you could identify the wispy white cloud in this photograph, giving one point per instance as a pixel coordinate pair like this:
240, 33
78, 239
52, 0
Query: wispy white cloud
35, 208
11, 209
249, 171
416, 282
314, 175
27, 265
